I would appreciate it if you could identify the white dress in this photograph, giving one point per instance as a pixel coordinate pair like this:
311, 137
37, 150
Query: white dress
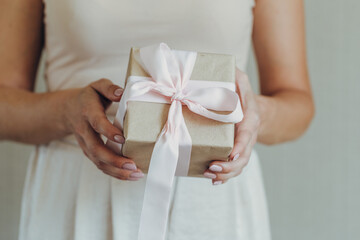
65, 196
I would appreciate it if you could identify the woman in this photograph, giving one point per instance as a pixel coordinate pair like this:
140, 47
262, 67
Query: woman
75, 187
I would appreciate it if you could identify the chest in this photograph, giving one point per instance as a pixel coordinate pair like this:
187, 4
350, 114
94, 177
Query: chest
93, 25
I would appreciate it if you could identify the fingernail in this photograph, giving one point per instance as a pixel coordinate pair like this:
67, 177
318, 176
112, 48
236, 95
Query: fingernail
215, 168
118, 92
129, 166
137, 175
119, 139
217, 183
236, 157
210, 175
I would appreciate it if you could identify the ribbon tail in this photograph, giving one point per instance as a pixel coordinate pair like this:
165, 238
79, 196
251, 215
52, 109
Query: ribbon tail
161, 173
185, 146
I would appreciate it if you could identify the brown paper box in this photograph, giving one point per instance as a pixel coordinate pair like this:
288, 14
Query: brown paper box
211, 140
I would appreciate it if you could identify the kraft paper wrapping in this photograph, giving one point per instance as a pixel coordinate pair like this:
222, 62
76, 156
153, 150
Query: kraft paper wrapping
211, 140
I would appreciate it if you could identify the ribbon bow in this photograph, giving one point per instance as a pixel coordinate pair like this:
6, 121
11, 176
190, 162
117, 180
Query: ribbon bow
170, 83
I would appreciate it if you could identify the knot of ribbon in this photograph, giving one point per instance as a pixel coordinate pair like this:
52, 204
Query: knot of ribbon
178, 96
170, 83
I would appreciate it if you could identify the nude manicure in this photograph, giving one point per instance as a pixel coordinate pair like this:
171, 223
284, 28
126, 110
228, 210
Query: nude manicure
129, 166
217, 183
236, 157
215, 168
136, 175
118, 92
119, 139
209, 175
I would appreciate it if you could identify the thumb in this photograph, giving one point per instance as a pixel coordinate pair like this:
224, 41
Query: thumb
241, 142
107, 89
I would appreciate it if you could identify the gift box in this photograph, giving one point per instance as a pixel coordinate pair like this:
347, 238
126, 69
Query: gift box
143, 121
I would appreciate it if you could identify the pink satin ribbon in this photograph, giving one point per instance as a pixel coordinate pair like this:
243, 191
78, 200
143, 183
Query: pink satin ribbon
170, 83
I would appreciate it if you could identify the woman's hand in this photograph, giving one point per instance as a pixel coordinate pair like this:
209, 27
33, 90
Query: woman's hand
245, 135
85, 117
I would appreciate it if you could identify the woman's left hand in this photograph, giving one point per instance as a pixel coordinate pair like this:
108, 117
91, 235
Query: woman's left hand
245, 135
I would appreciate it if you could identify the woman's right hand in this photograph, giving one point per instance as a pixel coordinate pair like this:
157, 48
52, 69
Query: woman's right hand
85, 117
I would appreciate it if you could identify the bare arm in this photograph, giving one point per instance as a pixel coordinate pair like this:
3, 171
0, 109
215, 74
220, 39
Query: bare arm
286, 104
25, 116
285, 107
38, 118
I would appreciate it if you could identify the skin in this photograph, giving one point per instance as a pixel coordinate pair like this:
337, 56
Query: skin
281, 113
285, 107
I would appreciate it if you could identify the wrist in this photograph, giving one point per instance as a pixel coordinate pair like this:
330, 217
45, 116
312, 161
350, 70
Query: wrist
266, 112
66, 106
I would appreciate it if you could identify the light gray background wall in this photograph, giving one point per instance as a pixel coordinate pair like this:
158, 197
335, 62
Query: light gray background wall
313, 184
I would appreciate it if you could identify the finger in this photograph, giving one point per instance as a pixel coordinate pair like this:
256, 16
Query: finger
228, 168
218, 166
82, 144
247, 98
242, 140
218, 178
232, 169
224, 170
119, 173
97, 151
102, 125
107, 89
246, 134
243, 87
